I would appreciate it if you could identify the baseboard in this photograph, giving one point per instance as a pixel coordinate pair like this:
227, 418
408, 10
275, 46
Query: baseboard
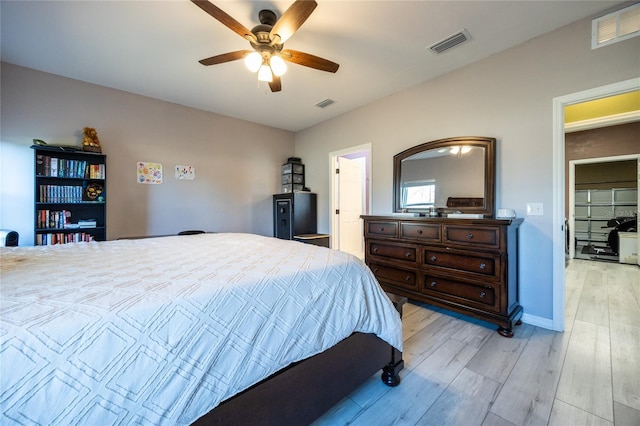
537, 321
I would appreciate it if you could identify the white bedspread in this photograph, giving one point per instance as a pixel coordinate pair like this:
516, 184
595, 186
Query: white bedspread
161, 330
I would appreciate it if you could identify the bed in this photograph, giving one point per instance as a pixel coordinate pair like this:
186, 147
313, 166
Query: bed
188, 329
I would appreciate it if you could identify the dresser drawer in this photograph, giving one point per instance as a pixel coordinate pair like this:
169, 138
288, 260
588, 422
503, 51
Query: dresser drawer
396, 276
393, 251
420, 231
381, 229
478, 264
478, 236
480, 296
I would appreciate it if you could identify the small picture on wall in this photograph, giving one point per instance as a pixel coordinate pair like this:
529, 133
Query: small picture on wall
185, 172
150, 173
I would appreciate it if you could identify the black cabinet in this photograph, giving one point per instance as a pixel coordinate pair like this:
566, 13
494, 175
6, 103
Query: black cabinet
70, 195
294, 214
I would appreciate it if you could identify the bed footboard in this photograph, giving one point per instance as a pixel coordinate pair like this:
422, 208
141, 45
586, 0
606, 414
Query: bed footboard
303, 391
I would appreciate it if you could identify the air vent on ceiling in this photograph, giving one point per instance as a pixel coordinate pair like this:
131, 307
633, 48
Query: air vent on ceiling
450, 42
325, 103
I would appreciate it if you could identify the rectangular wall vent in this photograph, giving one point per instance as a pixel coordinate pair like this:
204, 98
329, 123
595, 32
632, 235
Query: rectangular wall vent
617, 26
450, 42
325, 103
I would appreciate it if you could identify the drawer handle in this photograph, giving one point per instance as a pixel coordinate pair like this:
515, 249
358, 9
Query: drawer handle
470, 236
407, 254
483, 294
483, 265
433, 258
432, 284
375, 249
419, 231
407, 278
375, 270
381, 230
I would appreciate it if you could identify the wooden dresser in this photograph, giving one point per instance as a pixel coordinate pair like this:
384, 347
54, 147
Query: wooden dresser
465, 265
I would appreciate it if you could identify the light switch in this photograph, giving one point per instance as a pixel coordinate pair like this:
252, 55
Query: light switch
534, 209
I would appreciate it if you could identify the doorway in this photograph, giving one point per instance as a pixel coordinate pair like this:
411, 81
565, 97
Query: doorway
559, 235
609, 197
350, 197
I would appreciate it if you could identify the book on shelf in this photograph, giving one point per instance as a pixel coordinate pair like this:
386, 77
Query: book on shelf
87, 223
52, 238
60, 193
61, 219
53, 170
65, 168
40, 168
53, 219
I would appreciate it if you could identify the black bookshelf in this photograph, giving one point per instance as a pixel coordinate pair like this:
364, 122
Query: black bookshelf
70, 195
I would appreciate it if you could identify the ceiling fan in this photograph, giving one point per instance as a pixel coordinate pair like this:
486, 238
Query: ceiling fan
267, 39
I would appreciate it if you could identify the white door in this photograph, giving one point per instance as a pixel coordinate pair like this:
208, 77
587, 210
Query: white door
350, 206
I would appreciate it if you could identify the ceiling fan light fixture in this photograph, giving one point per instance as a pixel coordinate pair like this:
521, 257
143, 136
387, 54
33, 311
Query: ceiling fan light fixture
278, 65
253, 61
265, 74
267, 40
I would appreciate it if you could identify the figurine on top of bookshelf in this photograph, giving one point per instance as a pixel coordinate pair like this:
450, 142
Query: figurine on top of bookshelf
90, 140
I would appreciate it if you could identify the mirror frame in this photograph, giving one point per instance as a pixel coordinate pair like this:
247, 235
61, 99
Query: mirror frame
489, 173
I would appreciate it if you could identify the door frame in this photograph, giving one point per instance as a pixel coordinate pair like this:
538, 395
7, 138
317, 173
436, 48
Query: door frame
333, 197
558, 230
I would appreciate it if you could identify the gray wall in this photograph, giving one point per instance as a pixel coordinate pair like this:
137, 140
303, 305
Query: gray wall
508, 96
237, 162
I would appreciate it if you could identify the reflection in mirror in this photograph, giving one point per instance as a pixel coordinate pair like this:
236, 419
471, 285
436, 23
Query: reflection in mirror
455, 174
430, 178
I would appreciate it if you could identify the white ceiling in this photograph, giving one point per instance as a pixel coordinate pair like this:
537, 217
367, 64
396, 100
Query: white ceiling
152, 48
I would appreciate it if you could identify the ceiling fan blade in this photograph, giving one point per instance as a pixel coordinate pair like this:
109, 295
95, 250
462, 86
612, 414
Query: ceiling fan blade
292, 19
309, 60
276, 84
225, 57
224, 18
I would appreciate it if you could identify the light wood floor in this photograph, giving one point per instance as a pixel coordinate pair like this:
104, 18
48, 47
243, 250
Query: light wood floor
459, 371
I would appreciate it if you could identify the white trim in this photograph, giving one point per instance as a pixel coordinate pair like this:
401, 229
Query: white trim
558, 234
333, 195
609, 120
537, 321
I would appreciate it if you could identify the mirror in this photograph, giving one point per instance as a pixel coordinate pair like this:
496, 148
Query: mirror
449, 175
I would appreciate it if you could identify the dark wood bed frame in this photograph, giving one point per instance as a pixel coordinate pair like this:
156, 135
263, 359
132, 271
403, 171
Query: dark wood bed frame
302, 392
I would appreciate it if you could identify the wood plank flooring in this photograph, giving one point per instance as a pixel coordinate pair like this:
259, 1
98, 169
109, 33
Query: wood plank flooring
459, 371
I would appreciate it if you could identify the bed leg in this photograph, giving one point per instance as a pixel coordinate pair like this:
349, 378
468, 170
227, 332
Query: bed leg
391, 372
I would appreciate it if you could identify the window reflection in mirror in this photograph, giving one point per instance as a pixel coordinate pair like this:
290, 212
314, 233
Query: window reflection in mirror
419, 194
